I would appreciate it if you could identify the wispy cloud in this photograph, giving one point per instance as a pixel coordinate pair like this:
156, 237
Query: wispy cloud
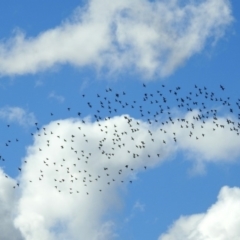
152, 37
17, 115
139, 206
57, 97
38, 83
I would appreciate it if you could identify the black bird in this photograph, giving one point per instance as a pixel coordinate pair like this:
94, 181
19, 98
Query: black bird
222, 87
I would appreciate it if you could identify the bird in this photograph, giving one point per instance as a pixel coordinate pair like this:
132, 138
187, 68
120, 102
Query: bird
152, 108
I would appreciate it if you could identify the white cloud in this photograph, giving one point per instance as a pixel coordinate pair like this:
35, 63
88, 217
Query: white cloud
41, 214
220, 222
153, 37
219, 144
17, 115
7, 208
45, 213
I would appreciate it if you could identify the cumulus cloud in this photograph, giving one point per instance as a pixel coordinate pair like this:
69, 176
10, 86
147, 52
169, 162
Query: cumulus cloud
221, 221
75, 170
17, 115
84, 188
208, 141
8, 208
152, 37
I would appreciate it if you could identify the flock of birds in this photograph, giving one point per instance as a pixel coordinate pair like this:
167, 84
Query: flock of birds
80, 155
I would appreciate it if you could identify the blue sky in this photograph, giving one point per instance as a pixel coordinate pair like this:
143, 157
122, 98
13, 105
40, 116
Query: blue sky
52, 53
